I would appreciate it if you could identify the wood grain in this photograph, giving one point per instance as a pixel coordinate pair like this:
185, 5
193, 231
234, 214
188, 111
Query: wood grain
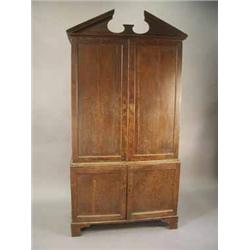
153, 190
98, 193
99, 104
153, 99
100, 112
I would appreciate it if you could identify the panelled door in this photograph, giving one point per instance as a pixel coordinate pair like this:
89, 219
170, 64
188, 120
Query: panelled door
99, 96
98, 193
153, 99
152, 190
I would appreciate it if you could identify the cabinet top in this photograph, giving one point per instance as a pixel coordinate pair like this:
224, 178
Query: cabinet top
97, 26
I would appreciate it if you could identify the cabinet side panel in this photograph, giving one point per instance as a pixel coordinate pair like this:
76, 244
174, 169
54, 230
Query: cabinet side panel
74, 97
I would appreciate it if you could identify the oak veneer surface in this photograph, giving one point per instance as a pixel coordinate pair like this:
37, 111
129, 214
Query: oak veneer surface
152, 190
155, 95
99, 193
125, 122
100, 95
155, 88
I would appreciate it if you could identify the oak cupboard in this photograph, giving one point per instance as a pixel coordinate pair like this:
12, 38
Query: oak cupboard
125, 122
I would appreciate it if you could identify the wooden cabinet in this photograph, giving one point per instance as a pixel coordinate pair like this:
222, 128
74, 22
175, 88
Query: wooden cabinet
125, 122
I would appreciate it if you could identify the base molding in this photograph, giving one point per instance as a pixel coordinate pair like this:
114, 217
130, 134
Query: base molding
76, 227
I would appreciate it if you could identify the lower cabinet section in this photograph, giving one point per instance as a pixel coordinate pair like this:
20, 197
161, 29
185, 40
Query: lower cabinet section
98, 194
131, 191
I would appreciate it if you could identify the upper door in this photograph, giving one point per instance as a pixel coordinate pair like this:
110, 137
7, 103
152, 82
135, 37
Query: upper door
154, 98
99, 94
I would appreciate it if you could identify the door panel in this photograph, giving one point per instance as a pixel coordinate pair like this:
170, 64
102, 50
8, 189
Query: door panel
102, 94
153, 105
98, 193
153, 190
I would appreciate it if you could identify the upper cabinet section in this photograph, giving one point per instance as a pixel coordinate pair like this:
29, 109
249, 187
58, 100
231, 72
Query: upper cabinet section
98, 26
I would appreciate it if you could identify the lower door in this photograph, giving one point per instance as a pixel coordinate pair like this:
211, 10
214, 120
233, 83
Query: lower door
98, 193
153, 190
